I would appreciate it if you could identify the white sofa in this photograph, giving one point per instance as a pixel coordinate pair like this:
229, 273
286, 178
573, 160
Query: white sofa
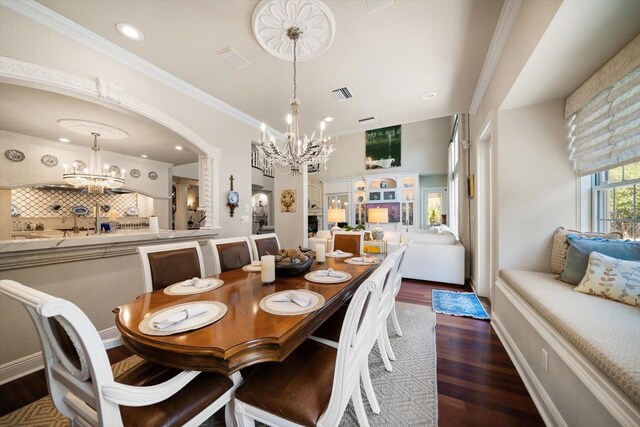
577, 354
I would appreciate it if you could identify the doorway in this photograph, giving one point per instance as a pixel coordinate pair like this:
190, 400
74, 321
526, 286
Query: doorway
485, 222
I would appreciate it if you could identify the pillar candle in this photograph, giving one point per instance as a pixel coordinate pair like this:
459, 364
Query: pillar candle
153, 224
320, 252
268, 270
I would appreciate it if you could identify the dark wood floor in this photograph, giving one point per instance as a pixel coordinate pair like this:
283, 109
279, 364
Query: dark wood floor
477, 383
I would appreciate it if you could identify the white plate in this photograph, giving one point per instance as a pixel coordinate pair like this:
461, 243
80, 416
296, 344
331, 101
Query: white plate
288, 308
215, 311
313, 277
342, 255
80, 210
251, 268
181, 289
132, 211
359, 261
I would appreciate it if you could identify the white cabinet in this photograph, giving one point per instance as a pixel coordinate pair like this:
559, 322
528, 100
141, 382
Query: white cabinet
399, 193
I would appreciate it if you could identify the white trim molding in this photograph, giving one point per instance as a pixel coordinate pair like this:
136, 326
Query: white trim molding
33, 362
508, 15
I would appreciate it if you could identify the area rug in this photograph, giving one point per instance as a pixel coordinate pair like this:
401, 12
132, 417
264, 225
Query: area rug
407, 395
464, 304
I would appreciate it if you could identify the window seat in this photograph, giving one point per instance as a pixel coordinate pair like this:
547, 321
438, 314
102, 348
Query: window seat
578, 354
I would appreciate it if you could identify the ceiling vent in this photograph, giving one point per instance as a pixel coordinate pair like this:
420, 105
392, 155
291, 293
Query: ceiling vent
232, 56
376, 5
342, 94
368, 120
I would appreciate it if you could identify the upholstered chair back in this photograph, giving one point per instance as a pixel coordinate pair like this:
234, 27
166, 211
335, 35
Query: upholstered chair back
264, 244
164, 265
348, 241
231, 253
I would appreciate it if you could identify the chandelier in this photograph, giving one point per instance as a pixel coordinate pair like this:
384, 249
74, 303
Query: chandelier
95, 178
297, 152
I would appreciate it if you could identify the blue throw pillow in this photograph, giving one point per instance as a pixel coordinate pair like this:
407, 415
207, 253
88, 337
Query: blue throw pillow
580, 248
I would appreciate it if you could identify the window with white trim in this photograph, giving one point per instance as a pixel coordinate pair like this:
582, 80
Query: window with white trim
616, 200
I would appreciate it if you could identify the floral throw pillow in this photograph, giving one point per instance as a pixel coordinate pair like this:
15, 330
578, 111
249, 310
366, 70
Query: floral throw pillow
612, 278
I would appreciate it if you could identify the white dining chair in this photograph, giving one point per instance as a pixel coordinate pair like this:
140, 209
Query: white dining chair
164, 265
82, 385
230, 253
296, 391
348, 241
264, 244
399, 256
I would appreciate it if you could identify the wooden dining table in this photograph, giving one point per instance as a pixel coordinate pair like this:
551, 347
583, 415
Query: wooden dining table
246, 335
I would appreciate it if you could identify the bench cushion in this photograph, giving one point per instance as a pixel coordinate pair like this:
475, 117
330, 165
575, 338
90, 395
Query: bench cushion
606, 332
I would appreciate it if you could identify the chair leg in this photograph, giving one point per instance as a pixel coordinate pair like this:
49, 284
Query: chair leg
387, 343
356, 397
229, 414
368, 387
396, 324
242, 420
383, 353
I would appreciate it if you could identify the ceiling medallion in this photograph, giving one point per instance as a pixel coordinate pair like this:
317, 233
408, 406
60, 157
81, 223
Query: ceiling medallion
87, 127
272, 18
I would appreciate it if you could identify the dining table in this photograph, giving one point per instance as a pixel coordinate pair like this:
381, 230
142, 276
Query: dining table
246, 335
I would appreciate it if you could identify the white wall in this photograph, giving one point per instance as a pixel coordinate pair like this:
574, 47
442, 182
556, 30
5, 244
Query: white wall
291, 227
537, 185
424, 149
190, 170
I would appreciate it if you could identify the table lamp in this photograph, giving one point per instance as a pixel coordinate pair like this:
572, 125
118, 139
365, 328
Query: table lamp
336, 216
379, 216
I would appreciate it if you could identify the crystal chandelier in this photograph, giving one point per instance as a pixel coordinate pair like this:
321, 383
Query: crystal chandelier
95, 178
298, 152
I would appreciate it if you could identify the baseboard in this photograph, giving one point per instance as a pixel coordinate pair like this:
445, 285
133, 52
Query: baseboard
28, 364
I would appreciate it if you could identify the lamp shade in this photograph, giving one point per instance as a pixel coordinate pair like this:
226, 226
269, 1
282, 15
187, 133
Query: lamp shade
379, 215
336, 215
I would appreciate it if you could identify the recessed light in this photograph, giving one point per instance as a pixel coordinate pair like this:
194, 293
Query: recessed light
328, 119
178, 147
144, 156
429, 95
63, 139
129, 31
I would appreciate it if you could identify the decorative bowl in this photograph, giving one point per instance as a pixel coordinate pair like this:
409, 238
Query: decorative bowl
294, 269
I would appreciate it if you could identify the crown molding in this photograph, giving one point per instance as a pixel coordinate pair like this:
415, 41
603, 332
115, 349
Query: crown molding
47, 17
508, 15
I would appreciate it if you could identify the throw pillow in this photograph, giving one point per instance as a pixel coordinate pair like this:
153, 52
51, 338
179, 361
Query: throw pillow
560, 245
581, 247
612, 278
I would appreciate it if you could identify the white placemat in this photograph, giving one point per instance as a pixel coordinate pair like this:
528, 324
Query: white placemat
182, 289
215, 312
314, 277
360, 261
251, 268
339, 254
288, 308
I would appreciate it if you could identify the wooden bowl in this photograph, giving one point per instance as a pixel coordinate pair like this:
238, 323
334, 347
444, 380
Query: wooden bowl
294, 269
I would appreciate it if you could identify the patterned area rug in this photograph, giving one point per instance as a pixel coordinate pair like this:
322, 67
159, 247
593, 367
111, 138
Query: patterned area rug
464, 304
407, 395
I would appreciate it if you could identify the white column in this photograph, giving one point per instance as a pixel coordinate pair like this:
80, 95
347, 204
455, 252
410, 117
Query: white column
182, 214
6, 221
209, 170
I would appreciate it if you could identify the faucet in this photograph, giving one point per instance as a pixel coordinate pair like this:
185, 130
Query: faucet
76, 230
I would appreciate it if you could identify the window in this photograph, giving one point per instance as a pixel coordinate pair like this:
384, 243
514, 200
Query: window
616, 195
454, 154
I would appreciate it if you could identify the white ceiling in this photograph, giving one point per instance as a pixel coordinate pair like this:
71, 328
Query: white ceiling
34, 112
387, 59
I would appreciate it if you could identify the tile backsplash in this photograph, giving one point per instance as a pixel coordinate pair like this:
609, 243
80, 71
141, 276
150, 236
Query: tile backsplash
35, 203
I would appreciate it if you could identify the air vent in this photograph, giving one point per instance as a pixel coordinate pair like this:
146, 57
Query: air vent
368, 120
342, 94
232, 56
376, 5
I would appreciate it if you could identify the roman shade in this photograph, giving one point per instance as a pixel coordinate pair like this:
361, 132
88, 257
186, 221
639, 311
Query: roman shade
606, 131
605, 114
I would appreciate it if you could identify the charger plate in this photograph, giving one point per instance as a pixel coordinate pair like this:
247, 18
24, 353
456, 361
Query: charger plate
215, 312
288, 308
359, 261
313, 277
180, 289
250, 268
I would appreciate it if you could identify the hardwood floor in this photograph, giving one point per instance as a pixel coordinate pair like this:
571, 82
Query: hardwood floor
477, 383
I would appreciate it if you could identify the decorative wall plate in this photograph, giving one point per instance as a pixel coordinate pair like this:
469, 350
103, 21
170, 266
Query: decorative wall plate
14, 155
132, 211
80, 210
80, 165
153, 175
134, 173
15, 211
49, 160
115, 170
